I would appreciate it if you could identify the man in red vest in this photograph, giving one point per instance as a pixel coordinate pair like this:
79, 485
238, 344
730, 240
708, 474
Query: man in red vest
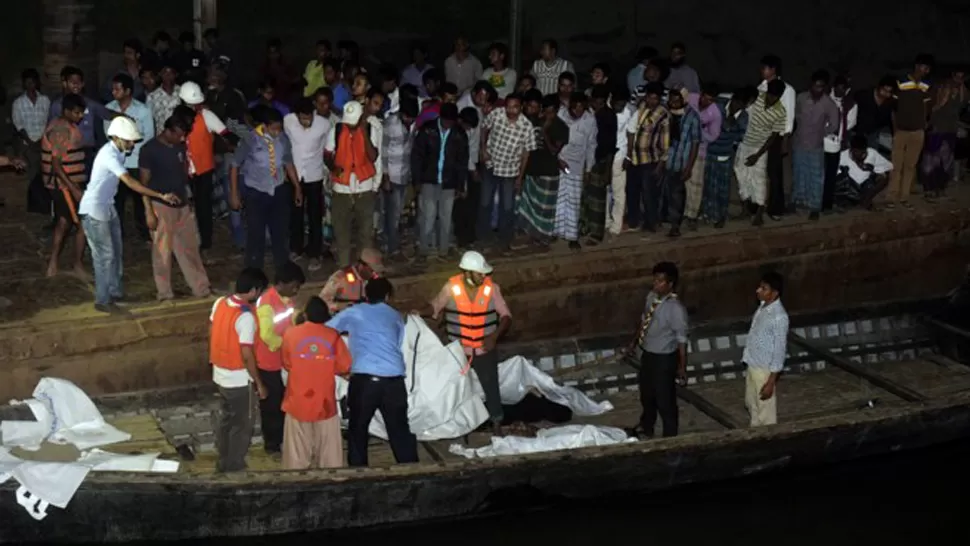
275, 313
346, 286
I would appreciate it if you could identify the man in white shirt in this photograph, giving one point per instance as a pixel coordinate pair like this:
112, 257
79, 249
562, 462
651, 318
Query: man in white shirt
624, 111
835, 144
308, 133
29, 116
99, 217
778, 176
765, 351
462, 68
863, 174
122, 86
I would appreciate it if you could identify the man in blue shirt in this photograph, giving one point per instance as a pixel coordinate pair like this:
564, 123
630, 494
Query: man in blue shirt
375, 332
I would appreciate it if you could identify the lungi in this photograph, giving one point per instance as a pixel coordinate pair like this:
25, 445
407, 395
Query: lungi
753, 180
594, 200
695, 190
567, 206
717, 187
808, 175
537, 204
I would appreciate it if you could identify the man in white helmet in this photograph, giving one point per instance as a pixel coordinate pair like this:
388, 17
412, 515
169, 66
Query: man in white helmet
99, 217
475, 313
206, 129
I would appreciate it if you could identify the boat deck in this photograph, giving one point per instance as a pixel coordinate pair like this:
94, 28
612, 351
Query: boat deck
823, 392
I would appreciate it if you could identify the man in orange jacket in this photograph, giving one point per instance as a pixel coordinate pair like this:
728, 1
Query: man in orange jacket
234, 370
313, 355
346, 286
275, 314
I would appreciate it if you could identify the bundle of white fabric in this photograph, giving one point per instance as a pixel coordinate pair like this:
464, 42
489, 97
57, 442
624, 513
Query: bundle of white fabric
52, 455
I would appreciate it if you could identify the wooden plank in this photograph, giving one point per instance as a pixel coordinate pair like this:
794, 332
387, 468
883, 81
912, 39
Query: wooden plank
858, 370
435, 456
941, 326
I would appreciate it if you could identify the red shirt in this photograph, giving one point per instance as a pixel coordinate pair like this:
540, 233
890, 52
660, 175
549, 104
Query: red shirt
313, 355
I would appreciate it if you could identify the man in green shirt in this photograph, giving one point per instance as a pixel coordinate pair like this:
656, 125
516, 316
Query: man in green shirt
313, 74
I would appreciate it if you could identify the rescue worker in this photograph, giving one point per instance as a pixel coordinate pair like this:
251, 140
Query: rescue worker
275, 314
375, 331
475, 313
234, 369
346, 286
313, 355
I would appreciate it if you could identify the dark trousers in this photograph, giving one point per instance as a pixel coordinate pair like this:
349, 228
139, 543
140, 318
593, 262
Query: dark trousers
235, 428
505, 186
486, 368
776, 179
465, 214
643, 194
267, 211
123, 195
202, 197
831, 175
312, 210
367, 394
676, 197
270, 412
658, 392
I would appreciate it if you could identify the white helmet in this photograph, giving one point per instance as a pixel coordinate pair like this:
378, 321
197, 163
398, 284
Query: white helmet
191, 93
475, 262
124, 128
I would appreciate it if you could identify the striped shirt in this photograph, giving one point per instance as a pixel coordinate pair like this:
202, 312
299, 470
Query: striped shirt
732, 132
650, 131
763, 122
912, 99
690, 134
767, 343
547, 74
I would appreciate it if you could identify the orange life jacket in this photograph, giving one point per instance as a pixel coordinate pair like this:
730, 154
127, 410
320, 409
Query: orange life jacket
225, 350
72, 161
470, 319
351, 155
268, 360
350, 289
313, 354
199, 144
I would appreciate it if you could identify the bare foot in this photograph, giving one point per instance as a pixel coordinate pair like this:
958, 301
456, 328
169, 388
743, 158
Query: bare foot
80, 273
51, 271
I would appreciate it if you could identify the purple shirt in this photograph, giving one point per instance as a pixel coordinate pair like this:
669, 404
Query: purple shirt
710, 127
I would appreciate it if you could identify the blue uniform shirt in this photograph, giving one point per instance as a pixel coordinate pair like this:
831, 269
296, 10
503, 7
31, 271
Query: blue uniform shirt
376, 332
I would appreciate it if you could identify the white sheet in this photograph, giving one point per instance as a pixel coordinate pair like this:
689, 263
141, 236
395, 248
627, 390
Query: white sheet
550, 439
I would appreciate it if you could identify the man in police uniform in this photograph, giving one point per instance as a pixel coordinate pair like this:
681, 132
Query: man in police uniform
346, 286
475, 313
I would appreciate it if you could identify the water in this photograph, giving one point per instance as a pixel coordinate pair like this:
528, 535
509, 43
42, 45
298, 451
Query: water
915, 498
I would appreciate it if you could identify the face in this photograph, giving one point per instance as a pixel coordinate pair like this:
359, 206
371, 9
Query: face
388, 86
446, 124
288, 289
74, 84
449, 97
959, 77
705, 100
513, 108
651, 100
274, 129
597, 103
839, 90
476, 279
818, 88
125, 146
214, 79
461, 45
30, 84
662, 285
766, 293
119, 92
418, 56
550, 112
365, 269
768, 73
329, 75
677, 56
619, 104
322, 104
480, 98
885, 92
598, 76
148, 80
651, 73
922, 70
532, 108
273, 53
210, 40
374, 104
74, 116
360, 87
577, 109
306, 120
322, 52
406, 119
431, 86
168, 75
675, 101
547, 52
189, 46
176, 135
130, 55
525, 84
496, 58
268, 94
566, 87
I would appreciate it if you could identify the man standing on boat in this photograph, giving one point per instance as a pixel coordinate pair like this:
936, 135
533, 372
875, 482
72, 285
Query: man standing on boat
313, 355
274, 314
765, 351
234, 369
661, 339
375, 332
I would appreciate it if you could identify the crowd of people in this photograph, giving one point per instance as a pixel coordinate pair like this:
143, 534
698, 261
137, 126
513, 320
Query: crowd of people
342, 159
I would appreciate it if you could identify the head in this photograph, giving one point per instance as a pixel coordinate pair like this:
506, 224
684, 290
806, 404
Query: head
349, 71
709, 93
886, 88
316, 311
776, 88
549, 49
216, 78
770, 67
461, 45
274, 50
409, 110
187, 40
532, 103
448, 116
468, 118
567, 84
665, 277
323, 50
744, 96
620, 98
371, 263
361, 86
841, 85
652, 72
449, 92
389, 77
374, 101
379, 290
432, 82
123, 133
73, 107
922, 65
323, 101
250, 284
348, 50
272, 122
771, 287
526, 82
599, 95
578, 103
267, 90
550, 106
289, 279
959, 75
72, 80
167, 75
184, 113
175, 129
652, 95
121, 87
600, 73
482, 92
131, 50
419, 54
30, 79
211, 37
162, 41
498, 54
149, 79
675, 100
352, 114
820, 83
678, 54
858, 148
331, 72
305, 112
513, 106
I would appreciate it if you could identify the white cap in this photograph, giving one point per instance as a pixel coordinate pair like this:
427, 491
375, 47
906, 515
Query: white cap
474, 262
191, 93
352, 112
124, 128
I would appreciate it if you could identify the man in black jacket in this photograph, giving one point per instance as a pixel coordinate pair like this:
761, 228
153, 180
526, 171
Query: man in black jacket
439, 167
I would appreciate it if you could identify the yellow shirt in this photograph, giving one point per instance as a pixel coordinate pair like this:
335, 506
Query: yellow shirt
313, 74
266, 315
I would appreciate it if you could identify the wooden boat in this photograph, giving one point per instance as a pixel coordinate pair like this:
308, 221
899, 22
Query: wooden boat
857, 383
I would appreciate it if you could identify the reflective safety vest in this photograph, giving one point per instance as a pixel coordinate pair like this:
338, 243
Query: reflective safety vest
470, 319
350, 289
267, 359
350, 155
199, 144
224, 348
72, 161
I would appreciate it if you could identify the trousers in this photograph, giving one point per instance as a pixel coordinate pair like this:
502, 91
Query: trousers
658, 393
270, 414
368, 394
235, 432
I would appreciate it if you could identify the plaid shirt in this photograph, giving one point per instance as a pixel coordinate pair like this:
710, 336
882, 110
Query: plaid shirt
396, 150
163, 105
507, 141
31, 117
690, 134
650, 131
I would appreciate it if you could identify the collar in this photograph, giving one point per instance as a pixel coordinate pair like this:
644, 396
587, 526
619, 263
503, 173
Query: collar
768, 306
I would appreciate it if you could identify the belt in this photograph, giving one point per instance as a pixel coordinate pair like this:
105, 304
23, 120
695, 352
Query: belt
376, 378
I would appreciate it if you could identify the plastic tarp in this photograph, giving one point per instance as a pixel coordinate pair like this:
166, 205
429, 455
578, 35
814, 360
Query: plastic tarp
550, 439
445, 399
65, 416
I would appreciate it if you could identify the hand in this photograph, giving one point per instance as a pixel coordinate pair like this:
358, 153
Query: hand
235, 203
486, 157
337, 171
385, 184
151, 220
298, 196
261, 390
751, 160
681, 376
461, 194
171, 199
627, 164
767, 390
18, 163
563, 166
518, 185
475, 175
489, 342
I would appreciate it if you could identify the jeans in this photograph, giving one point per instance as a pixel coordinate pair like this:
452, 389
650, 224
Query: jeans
393, 207
267, 211
300, 242
505, 186
104, 240
435, 205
